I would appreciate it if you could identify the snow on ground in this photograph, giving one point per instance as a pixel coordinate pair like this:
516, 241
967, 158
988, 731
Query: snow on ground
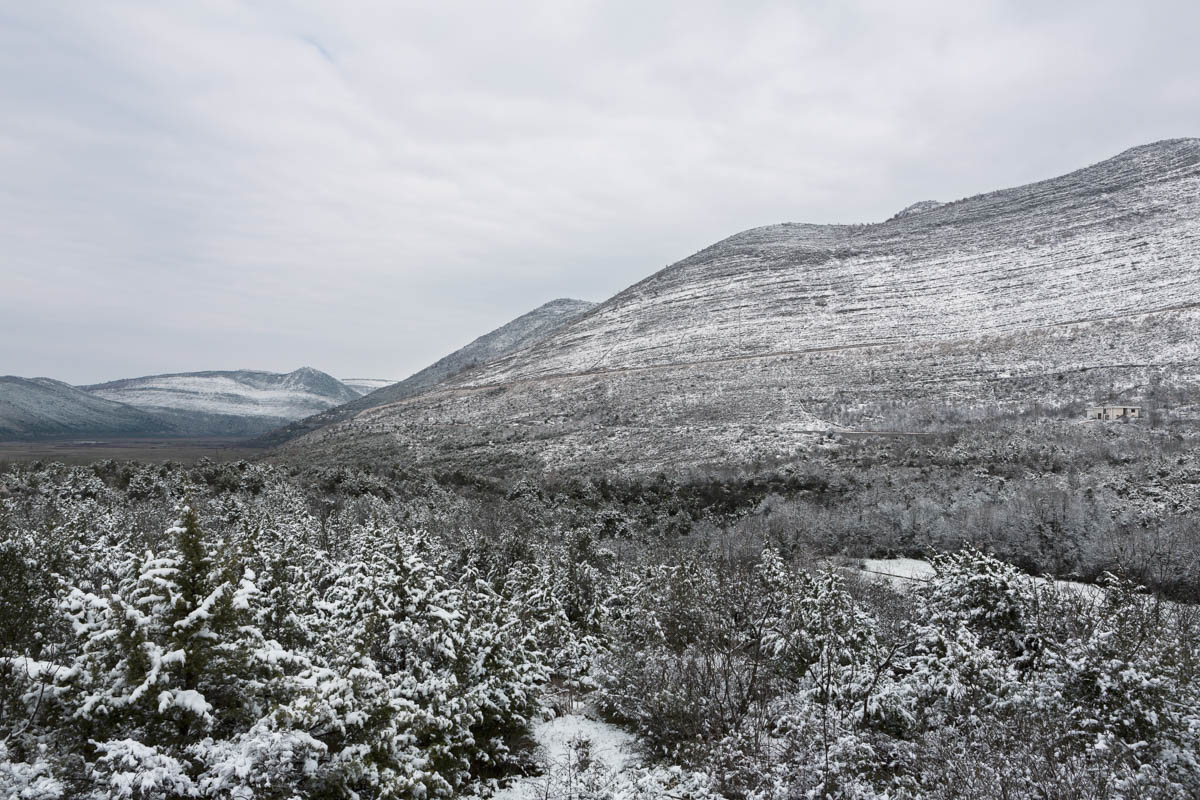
217, 395
899, 570
1089, 591
573, 751
609, 745
581, 757
904, 571
244, 393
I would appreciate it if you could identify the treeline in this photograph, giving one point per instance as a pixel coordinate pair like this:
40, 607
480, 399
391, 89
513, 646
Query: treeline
1073, 501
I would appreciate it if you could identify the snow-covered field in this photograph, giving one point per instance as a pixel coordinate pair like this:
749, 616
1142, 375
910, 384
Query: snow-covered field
898, 570
902, 572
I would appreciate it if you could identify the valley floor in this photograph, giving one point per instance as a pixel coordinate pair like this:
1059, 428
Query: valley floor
77, 451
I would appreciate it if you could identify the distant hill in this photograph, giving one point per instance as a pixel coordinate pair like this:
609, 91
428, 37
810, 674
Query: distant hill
366, 385
1032, 300
522, 332
228, 403
43, 408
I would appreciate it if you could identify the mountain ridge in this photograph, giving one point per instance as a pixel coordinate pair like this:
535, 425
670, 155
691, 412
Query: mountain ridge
45, 408
796, 326
518, 333
228, 402
800, 238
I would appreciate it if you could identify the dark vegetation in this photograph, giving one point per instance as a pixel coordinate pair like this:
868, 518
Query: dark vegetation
244, 630
185, 450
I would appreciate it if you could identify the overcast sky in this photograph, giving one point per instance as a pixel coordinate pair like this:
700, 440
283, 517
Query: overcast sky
363, 187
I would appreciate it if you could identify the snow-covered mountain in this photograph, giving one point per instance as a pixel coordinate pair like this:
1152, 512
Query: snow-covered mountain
43, 408
366, 385
238, 402
520, 333
1063, 292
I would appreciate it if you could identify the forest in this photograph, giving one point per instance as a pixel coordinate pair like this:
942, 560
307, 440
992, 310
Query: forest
254, 630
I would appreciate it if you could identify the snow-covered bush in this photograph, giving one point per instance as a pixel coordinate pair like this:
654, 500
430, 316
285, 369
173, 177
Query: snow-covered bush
31, 779
381, 634
246, 665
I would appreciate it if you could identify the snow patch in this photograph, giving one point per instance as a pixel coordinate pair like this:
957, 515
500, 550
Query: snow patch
569, 747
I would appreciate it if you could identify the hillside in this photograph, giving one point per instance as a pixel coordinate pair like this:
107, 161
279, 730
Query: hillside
230, 403
1035, 299
366, 385
522, 332
43, 408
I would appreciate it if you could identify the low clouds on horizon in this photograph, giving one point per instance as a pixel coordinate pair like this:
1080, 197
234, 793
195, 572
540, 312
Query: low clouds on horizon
365, 187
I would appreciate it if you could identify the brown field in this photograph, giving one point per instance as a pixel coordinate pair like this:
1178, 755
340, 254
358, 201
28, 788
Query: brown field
185, 451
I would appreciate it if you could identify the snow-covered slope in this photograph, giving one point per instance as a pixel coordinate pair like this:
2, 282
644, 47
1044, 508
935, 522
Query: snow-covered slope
1117, 239
37, 408
1072, 289
524, 331
366, 385
235, 402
